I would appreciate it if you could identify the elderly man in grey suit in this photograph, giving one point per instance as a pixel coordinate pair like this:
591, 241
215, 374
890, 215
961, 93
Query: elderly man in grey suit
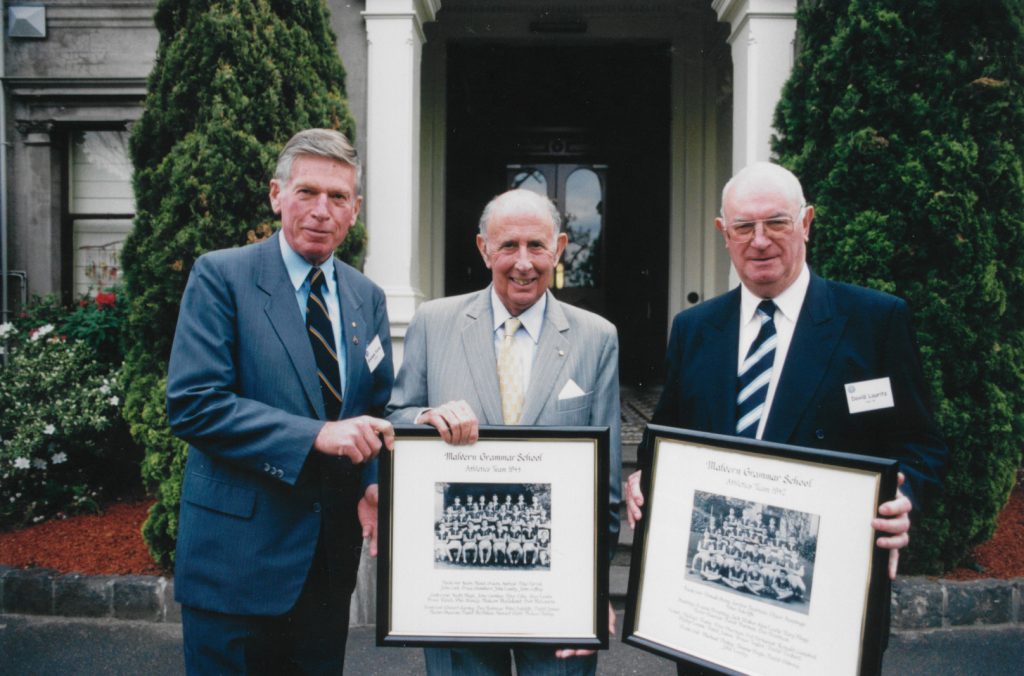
512, 354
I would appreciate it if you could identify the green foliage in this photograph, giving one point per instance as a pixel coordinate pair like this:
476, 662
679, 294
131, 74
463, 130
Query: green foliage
905, 123
63, 443
233, 81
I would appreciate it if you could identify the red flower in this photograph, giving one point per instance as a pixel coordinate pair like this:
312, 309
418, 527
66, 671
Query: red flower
104, 299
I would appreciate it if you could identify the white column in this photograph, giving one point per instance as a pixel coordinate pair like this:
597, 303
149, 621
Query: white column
762, 34
761, 37
394, 34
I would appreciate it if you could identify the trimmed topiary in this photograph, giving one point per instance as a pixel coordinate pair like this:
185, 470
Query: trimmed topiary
905, 123
233, 81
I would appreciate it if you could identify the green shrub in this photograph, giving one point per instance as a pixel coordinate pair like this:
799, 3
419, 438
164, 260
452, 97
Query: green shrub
905, 122
233, 81
63, 443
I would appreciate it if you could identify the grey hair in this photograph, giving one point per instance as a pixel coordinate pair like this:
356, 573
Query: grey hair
520, 201
785, 178
327, 143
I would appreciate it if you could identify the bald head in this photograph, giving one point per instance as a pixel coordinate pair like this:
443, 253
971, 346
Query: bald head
765, 176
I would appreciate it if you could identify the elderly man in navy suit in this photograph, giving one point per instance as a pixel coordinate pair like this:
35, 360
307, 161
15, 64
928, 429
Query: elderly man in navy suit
825, 337
281, 358
562, 369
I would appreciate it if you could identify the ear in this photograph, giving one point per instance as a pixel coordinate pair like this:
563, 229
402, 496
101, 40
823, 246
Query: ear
275, 195
720, 226
560, 242
808, 217
356, 206
481, 244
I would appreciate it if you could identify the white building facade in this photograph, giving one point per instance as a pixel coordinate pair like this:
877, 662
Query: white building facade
647, 105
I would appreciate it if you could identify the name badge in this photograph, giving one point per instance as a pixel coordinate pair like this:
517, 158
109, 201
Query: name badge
869, 395
374, 354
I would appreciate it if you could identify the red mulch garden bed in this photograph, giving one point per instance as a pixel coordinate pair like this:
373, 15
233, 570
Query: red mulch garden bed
111, 544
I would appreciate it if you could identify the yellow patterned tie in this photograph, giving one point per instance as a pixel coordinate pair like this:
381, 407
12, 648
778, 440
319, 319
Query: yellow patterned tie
510, 378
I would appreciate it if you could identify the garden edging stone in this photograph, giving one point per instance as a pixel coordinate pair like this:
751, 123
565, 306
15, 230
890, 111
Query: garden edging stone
918, 603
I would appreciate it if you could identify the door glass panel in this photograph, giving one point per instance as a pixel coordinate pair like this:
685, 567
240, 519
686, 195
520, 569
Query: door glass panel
530, 179
584, 206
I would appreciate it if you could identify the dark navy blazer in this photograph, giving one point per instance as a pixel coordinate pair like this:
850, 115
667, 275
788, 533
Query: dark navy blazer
242, 391
844, 334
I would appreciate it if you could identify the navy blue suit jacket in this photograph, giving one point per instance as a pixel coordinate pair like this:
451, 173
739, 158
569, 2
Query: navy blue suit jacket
242, 390
844, 334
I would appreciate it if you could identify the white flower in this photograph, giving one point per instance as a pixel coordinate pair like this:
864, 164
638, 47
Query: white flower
49, 429
104, 389
7, 329
36, 334
114, 401
59, 458
21, 463
39, 463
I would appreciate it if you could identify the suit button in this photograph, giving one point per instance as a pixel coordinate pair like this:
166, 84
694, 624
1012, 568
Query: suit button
820, 434
316, 507
280, 473
266, 467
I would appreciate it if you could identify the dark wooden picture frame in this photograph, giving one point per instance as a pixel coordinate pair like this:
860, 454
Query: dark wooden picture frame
772, 600
531, 591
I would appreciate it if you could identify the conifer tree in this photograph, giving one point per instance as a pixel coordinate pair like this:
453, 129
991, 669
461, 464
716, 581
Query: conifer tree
905, 123
233, 80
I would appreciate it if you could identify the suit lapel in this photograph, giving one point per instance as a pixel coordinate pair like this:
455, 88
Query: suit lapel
283, 312
478, 349
818, 330
720, 338
353, 334
552, 352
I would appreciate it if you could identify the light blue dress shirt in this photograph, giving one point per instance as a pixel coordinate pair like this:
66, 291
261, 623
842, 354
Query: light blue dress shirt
298, 269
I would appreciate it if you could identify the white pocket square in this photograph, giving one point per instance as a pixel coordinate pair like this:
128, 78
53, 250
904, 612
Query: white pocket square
570, 390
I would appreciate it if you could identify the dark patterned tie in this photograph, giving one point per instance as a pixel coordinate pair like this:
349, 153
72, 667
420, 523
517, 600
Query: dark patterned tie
321, 337
755, 372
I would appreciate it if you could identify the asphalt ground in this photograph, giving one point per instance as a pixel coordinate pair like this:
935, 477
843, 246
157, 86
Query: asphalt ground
42, 645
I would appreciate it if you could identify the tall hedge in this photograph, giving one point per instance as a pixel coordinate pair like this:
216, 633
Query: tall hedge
233, 80
905, 122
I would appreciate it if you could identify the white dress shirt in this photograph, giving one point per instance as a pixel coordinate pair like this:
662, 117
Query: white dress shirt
788, 304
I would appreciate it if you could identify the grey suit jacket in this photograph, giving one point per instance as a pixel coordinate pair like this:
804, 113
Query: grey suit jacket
449, 355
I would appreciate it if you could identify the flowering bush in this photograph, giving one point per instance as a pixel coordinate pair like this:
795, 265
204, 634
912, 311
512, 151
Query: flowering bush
63, 442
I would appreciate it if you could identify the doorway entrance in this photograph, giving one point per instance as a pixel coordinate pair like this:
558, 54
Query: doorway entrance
587, 125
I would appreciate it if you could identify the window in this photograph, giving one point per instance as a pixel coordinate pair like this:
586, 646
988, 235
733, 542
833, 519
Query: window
101, 206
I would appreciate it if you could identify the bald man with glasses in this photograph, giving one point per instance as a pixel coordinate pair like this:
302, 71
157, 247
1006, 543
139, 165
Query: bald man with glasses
777, 357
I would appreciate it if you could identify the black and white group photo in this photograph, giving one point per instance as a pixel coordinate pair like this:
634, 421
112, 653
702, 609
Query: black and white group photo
754, 549
489, 525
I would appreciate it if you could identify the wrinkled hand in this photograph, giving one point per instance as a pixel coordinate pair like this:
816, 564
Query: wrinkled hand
366, 510
566, 653
894, 519
356, 438
634, 499
455, 421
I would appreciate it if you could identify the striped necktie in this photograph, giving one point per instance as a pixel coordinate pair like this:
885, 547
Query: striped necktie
321, 338
755, 372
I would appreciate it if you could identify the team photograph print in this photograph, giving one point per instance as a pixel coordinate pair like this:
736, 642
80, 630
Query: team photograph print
754, 549
490, 525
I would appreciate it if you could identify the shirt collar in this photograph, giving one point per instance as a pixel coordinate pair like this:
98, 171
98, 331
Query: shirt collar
298, 267
788, 302
532, 318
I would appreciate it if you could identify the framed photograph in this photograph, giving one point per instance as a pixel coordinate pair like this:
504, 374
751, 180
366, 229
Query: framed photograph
759, 558
502, 542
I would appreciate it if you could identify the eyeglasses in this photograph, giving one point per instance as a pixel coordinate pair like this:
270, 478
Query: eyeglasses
775, 228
